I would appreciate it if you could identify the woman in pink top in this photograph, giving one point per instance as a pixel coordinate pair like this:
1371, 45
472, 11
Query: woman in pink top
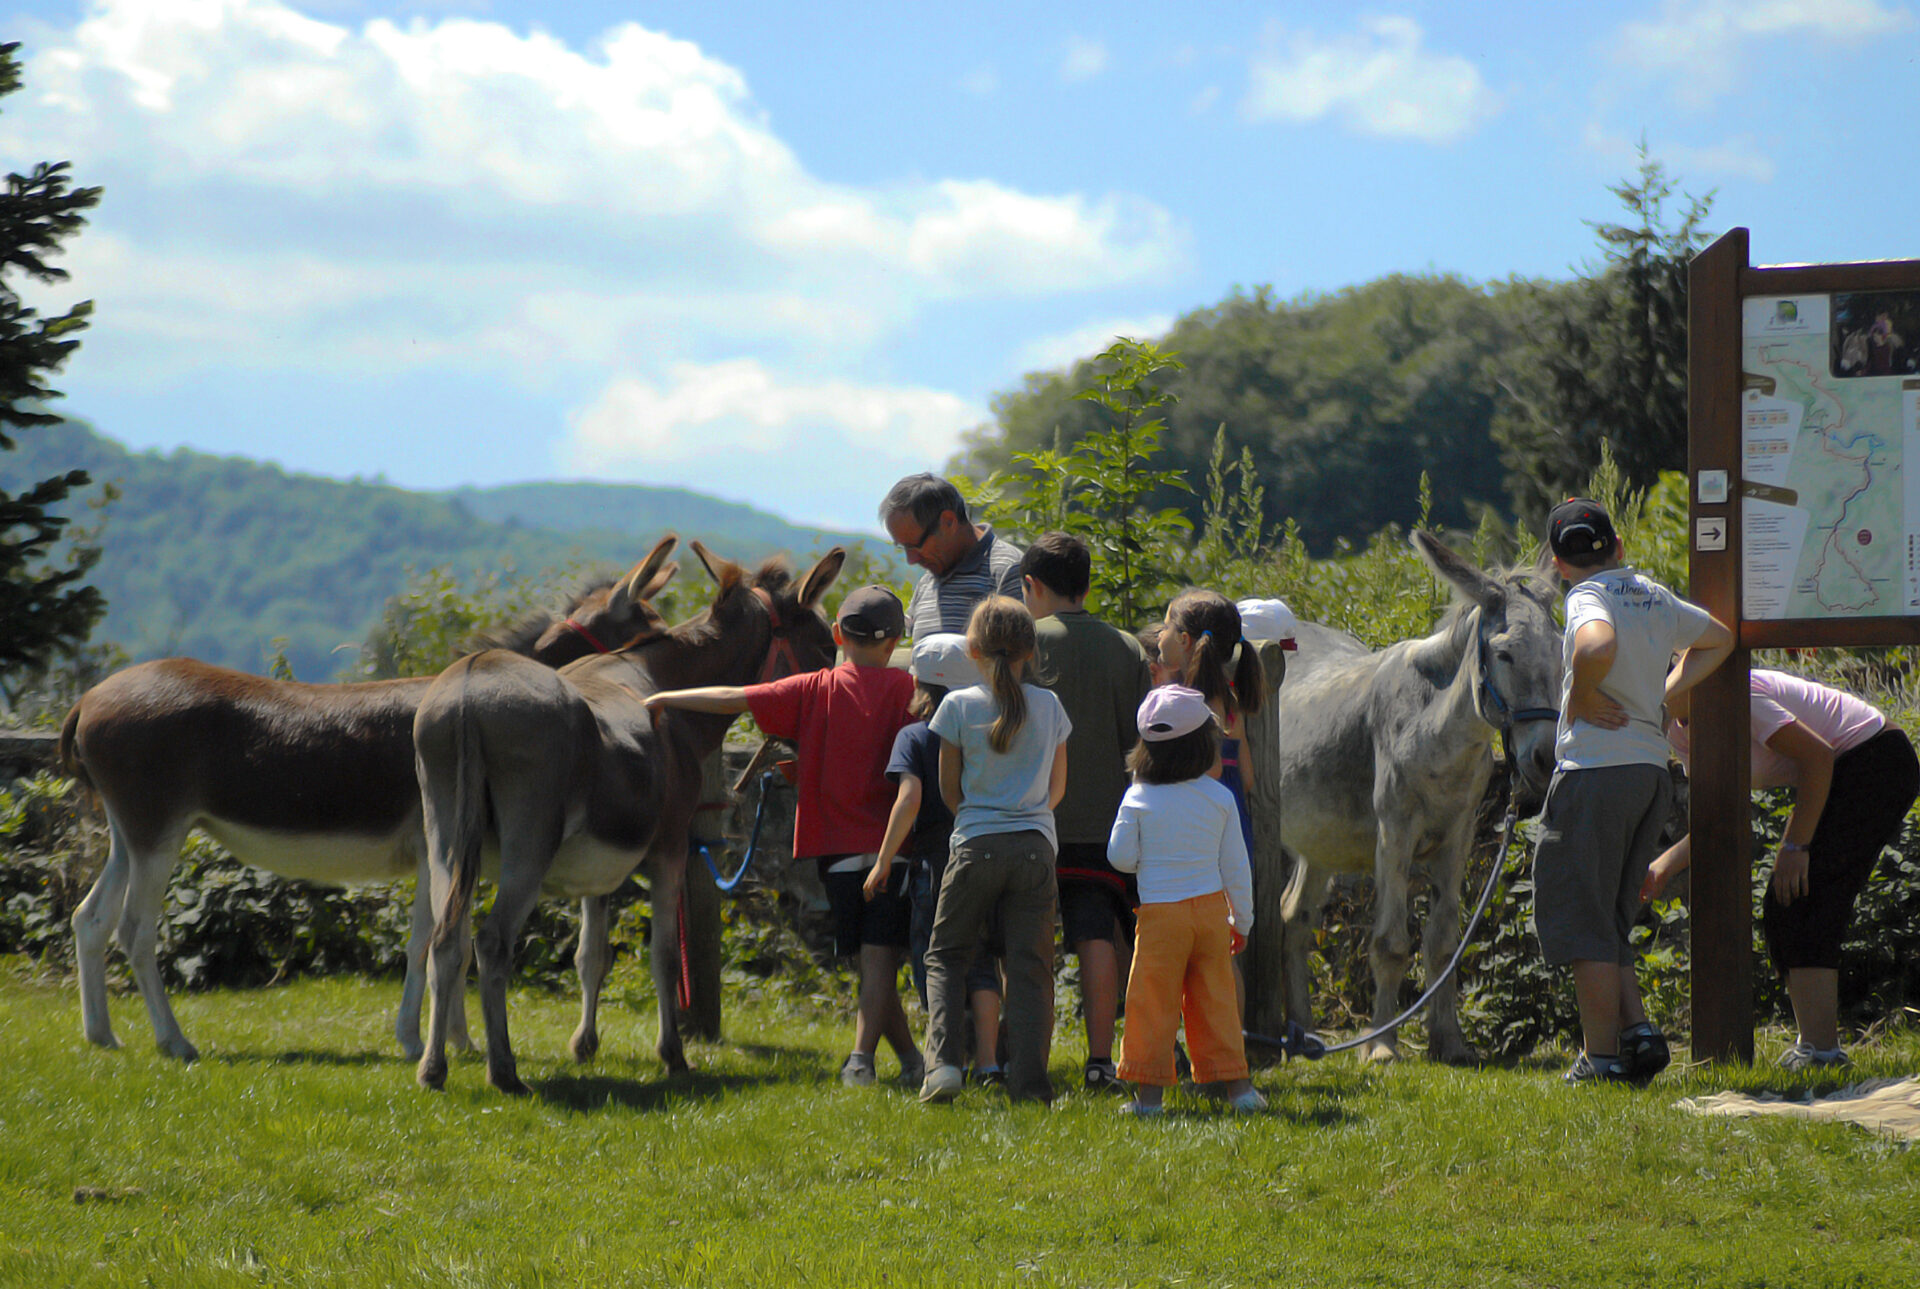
1854, 777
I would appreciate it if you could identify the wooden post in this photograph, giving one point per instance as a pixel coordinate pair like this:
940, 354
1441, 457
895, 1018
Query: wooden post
1264, 959
703, 908
1719, 814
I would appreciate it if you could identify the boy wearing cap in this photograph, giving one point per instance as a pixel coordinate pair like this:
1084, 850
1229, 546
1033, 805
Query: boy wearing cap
1099, 674
1179, 830
1610, 792
843, 721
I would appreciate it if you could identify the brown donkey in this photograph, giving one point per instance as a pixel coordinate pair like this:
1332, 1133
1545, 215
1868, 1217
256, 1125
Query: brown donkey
308, 781
563, 781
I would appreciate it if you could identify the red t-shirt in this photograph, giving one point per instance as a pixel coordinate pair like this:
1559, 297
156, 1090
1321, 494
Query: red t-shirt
843, 720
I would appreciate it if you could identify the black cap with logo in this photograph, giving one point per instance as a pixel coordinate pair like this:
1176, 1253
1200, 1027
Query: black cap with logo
873, 613
1578, 530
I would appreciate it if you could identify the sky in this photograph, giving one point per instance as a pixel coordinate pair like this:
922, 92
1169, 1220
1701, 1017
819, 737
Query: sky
785, 254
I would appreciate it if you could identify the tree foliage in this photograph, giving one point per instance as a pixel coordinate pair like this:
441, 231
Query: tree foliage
1604, 359
45, 610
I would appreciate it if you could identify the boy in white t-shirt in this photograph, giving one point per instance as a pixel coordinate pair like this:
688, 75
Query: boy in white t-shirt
1610, 791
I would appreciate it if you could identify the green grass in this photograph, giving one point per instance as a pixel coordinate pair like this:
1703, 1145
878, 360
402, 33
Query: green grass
299, 1151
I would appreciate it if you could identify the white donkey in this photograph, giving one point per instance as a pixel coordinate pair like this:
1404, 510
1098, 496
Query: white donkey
308, 781
1385, 756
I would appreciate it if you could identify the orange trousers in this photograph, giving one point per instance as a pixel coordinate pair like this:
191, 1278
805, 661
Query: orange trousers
1183, 966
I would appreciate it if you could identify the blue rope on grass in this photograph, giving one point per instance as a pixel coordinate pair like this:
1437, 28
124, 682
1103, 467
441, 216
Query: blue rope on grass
726, 884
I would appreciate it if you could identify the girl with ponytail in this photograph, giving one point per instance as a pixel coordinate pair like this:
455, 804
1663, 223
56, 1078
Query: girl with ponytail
1003, 768
1202, 645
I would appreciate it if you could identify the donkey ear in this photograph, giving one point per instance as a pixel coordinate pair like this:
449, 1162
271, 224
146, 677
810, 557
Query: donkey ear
1452, 569
659, 581
821, 576
644, 580
1543, 562
725, 573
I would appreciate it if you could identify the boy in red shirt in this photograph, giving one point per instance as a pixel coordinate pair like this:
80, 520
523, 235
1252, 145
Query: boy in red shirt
843, 721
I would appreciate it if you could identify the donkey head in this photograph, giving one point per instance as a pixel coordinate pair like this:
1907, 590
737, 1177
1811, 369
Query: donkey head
612, 617
798, 638
1515, 654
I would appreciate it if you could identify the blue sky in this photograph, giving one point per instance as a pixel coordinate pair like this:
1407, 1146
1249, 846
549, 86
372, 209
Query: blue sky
786, 253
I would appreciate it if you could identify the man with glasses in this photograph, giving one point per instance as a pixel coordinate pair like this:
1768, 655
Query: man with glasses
962, 562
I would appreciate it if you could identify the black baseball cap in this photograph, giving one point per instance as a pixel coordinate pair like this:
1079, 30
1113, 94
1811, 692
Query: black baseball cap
1578, 530
873, 613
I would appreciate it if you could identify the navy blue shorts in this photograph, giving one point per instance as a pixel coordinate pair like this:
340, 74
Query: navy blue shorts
883, 920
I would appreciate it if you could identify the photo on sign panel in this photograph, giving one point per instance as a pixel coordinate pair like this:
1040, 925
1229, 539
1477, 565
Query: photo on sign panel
1875, 333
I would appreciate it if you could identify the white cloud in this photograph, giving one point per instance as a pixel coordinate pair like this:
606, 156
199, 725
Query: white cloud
981, 82
1203, 101
1051, 353
1700, 44
1379, 80
1739, 157
1084, 60
457, 182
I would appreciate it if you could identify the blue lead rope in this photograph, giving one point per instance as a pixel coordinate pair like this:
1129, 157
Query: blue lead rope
726, 884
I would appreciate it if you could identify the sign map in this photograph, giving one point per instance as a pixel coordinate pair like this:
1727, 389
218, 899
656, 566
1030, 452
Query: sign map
1830, 518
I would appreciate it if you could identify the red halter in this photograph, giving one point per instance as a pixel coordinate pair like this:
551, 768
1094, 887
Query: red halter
584, 634
780, 649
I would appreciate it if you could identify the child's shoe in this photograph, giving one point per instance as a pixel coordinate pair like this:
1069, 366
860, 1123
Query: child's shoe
942, 1084
1103, 1076
991, 1076
857, 1071
912, 1073
1805, 1056
1643, 1053
1136, 1110
1595, 1069
1248, 1102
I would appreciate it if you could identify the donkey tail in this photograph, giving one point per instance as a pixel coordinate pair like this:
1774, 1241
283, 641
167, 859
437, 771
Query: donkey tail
462, 832
1296, 893
70, 762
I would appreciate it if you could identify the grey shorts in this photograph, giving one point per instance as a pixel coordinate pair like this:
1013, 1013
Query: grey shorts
1599, 832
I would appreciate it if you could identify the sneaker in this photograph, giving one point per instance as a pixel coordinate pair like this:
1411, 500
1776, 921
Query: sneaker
1643, 1053
942, 1084
1182, 1067
1134, 1109
1103, 1076
1805, 1056
857, 1071
912, 1073
1248, 1102
991, 1077
1595, 1069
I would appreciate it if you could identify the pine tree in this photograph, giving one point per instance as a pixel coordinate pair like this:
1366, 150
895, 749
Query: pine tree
45, 610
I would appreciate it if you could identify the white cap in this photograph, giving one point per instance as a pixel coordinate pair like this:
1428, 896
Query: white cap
1267, 620
942, 659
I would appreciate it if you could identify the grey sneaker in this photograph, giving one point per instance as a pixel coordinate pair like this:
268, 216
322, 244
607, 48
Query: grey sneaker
1595, 1069
1248, 1102
942, 1084
1805, 1056
1643, 1053
857, 1071
1135, 1110
1103, 1076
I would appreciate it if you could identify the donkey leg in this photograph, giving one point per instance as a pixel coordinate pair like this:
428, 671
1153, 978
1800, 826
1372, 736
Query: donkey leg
406, 1023
591, 960
1391, 951
92, 931
668, 869
1306, 897
446, 981
1441, 937
514, 898
139, 932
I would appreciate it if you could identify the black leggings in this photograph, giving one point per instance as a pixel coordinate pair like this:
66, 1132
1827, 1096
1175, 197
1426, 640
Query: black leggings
1874, 785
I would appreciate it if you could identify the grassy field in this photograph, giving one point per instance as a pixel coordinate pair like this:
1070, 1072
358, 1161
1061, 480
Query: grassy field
300, 1152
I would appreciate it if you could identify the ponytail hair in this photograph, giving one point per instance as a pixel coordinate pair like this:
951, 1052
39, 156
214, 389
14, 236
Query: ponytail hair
1221, 665
1001, 632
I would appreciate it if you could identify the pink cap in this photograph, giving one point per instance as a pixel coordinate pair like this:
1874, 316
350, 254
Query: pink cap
1172, 711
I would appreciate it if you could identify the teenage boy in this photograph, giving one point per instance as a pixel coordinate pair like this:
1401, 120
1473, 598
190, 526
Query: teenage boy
1611, 790
843, 721
1100, 676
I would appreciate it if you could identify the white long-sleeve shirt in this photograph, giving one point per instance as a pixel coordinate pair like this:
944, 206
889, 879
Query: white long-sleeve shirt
1183, 839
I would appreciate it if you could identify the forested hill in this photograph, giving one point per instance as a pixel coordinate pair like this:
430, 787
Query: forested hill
215, 557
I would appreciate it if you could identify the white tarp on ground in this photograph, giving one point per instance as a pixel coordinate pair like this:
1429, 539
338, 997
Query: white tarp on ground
1891, 1106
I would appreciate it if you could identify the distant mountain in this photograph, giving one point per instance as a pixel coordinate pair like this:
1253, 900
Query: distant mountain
215, 557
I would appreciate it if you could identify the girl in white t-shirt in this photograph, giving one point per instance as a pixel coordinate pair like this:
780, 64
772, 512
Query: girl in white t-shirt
1179, 830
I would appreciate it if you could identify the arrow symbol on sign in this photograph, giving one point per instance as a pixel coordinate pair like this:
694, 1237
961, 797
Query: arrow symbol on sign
1712, 531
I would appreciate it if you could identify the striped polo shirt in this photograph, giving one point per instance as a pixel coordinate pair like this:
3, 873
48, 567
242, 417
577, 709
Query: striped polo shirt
992, 567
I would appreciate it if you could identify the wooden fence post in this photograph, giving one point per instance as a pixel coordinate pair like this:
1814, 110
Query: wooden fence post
1264, 959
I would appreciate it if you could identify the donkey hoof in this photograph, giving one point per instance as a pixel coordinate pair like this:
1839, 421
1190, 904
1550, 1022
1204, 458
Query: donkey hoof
1377, 1053
107, 1039
1457, 1054
432, 1075
675, 1061
508, 1082
584, 1046
180, 1049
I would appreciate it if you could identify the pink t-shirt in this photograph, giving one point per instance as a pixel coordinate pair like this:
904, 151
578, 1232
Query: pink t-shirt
1777, 700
